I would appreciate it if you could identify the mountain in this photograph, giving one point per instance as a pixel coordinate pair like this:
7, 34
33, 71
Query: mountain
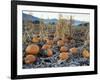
77, 22
84, 24
27, 17
50, 21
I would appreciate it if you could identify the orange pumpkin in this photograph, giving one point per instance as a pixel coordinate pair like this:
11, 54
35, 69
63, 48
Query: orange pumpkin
46, 46
64, 56
63, 49
29, 59
74, 50
66, 40
35, 39
60, 43
49, 52
50, 42
85, 53
32, 49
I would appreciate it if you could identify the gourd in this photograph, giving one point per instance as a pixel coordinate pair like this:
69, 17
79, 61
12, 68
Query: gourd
85, 53
29, 59
46, 46
60, 43
35, 39
63, 49
65, 39
49, 52
74, 50
50, 42
32, 49
64, 56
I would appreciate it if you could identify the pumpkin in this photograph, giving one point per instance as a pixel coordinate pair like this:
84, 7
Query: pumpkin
60, 43
29, 59
32, 49
66, 40
49, 52
50, 42
46, 46
85, 53
63, 49
35, 39
74, 50
64, 56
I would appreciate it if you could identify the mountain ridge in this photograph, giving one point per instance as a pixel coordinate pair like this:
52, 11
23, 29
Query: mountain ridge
27, 17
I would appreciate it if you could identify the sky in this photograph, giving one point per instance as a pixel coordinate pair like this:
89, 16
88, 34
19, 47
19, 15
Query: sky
50, 15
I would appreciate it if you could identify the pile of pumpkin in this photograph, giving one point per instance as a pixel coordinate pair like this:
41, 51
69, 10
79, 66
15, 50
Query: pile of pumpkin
33, 50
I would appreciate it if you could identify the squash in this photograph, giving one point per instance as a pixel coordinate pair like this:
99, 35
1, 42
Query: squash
46, 46
49, 52
35, 39
66, 40
29, 59
63, 49
64, 56
74, 50
85, 53
60, 43
50, 42
32, 49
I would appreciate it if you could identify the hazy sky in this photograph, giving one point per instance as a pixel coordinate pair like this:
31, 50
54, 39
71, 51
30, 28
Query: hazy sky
46, 15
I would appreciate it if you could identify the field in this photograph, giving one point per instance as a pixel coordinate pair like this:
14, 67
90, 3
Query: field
60, 44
